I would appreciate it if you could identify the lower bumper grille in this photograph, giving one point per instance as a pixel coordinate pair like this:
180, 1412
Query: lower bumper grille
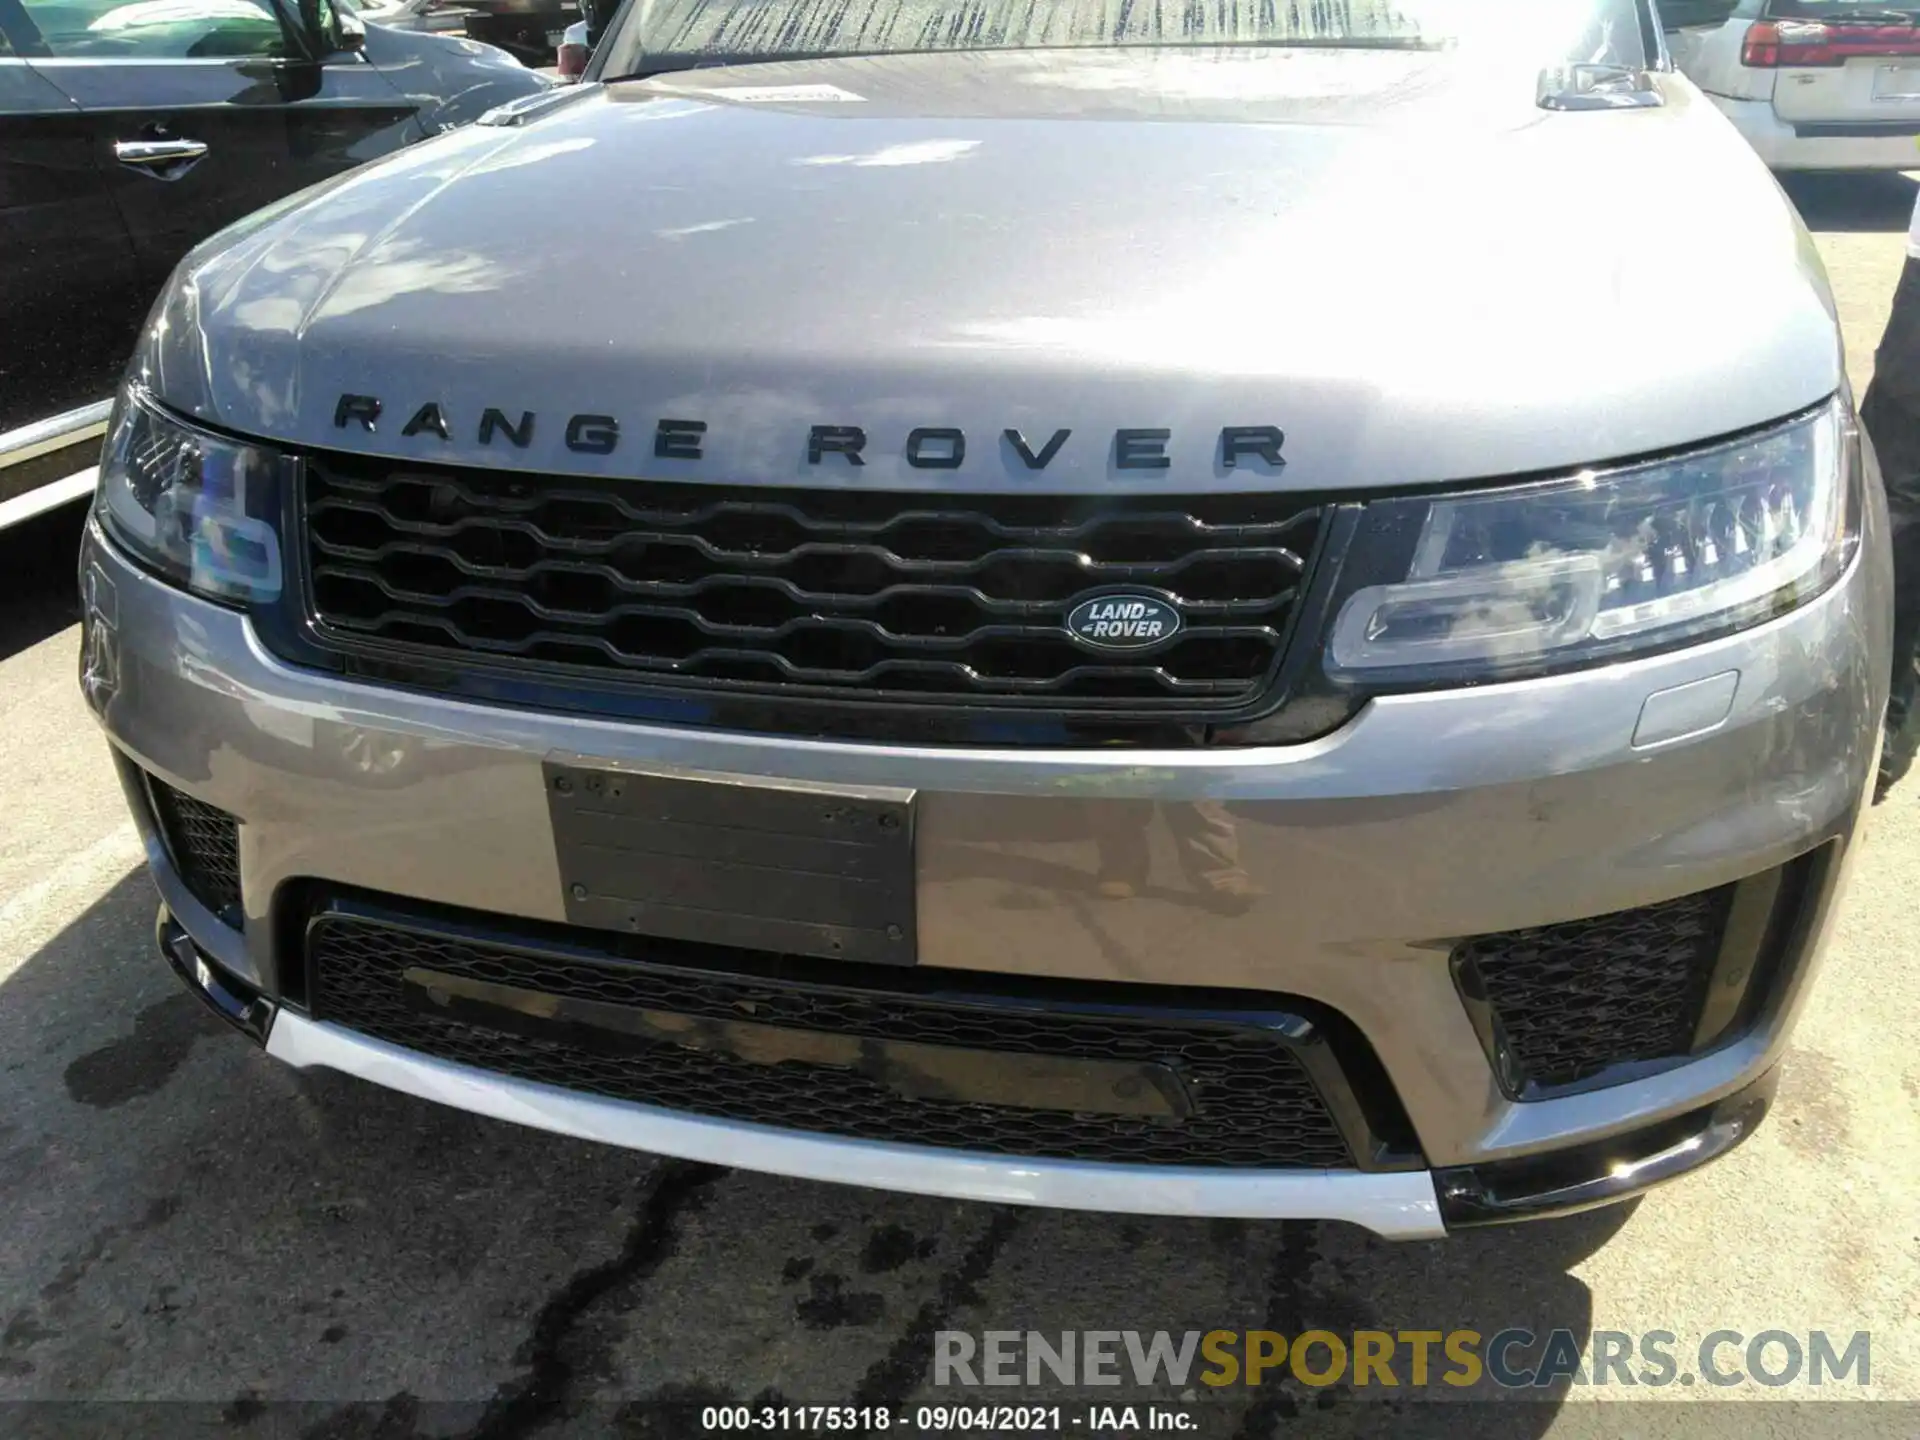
1567, 1003
204, 841
1241, 1090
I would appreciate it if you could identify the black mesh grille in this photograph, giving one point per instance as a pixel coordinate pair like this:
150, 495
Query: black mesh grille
1255, 1105
875, 597
204, 841
1570, 1001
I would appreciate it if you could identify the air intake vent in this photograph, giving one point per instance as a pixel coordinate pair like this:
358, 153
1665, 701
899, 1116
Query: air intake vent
204, 842
1564, 1004
878, 1061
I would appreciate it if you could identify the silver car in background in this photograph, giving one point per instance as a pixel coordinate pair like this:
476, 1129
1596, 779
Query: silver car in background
1280, 616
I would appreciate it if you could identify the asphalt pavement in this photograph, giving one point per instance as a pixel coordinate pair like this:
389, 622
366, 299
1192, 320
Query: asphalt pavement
194, 1239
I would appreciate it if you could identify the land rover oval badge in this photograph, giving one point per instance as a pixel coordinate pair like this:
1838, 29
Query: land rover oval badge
1123, 622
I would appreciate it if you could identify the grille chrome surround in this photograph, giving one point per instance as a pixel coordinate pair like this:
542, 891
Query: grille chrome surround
1257, 1104
204, 841
874, 599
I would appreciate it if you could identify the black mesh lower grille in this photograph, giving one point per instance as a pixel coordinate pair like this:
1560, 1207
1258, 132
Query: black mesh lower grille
204, 841
1570, 1001
1255, 1106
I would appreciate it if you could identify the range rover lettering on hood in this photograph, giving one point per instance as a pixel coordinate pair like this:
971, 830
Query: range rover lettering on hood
933, 447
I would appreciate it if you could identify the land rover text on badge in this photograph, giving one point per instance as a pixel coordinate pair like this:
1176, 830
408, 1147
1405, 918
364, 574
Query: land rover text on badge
1123, 622
1094, 606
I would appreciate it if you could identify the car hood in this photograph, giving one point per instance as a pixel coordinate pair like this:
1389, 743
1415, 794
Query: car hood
1397, 259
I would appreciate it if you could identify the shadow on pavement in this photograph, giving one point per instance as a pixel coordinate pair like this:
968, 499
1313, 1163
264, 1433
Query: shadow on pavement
1877, 201
39, 594
200, 1236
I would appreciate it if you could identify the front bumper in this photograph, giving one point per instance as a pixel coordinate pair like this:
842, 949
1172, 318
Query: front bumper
1430, 816
1404, 1205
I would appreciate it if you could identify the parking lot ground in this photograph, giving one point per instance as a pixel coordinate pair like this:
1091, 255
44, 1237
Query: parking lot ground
194, 1240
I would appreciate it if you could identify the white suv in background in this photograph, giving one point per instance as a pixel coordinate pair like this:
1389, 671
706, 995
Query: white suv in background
1812, 84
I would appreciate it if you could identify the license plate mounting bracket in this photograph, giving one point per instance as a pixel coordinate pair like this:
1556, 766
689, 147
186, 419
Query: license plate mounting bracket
823, 871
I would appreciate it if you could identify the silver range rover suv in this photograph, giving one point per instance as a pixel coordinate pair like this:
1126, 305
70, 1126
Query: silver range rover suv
1283, 616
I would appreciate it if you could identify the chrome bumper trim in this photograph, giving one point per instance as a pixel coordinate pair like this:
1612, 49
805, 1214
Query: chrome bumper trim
1398, 1206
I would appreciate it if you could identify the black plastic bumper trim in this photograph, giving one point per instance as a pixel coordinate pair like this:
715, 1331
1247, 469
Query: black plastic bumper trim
234, 1001
1569, 1181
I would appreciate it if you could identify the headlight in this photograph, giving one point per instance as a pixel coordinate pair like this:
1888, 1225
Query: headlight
195, 506
1565, 572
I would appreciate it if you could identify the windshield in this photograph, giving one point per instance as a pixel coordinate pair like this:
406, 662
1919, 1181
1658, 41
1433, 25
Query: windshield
655, 35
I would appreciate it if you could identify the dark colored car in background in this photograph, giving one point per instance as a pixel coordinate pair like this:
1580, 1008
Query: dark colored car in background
130, 130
